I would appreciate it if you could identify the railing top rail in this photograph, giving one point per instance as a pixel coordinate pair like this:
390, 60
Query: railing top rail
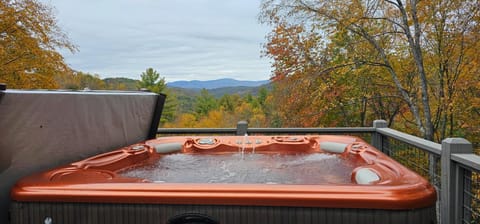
263, 130
468, 160
196, 131
421, 143
312, 130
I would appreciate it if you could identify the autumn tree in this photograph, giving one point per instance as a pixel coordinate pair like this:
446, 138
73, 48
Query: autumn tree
29, 40
408, 40
184, 120
452, 41
80, 81
307, 94
229, 102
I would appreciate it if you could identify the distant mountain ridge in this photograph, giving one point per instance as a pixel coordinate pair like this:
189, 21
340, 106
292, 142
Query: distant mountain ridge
215, 84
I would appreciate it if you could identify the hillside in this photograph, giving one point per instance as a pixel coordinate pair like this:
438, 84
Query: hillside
215, 84
219, 92
121, 83
187, 97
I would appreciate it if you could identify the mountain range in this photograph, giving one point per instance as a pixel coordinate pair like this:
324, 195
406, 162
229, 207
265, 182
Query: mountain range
215, 84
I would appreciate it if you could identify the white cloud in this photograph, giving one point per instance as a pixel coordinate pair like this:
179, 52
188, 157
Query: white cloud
181, 39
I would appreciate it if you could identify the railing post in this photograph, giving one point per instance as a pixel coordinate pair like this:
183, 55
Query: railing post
242, 127
451, 195
377, 140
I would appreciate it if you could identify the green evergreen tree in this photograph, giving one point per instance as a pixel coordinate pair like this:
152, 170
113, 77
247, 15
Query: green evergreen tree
151, 80
205, 102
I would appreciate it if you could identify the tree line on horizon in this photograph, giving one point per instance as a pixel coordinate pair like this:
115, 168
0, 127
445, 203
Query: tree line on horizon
413, 63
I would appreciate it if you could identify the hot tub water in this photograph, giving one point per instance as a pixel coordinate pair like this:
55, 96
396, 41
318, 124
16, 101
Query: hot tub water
312, 168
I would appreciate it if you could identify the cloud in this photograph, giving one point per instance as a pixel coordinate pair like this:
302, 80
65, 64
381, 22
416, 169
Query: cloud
182, 39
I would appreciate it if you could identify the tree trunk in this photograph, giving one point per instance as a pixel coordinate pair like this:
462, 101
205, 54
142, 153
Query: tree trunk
415, 47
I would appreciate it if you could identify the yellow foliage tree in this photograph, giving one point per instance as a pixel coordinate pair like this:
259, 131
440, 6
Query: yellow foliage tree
214, 119
29, 40
185, 120
79, 81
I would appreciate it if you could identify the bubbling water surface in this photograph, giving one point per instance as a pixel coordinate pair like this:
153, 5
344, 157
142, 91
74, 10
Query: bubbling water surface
314, 168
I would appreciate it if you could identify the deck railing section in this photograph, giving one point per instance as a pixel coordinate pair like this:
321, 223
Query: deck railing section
451, 167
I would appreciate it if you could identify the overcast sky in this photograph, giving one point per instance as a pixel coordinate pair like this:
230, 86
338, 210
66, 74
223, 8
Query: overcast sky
181, 39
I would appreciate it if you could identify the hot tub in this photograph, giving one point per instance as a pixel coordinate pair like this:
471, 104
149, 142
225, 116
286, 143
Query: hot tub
229, 179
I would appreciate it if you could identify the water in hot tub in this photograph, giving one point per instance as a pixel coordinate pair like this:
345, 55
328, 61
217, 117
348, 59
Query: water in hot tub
316, 168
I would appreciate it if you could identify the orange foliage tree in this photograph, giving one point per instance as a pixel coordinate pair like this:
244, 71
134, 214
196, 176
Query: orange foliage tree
414, 55
315, 84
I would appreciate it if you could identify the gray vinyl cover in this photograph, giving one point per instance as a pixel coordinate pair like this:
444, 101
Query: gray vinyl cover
40, 130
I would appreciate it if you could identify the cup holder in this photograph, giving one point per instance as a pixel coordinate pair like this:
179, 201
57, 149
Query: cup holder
357, 148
